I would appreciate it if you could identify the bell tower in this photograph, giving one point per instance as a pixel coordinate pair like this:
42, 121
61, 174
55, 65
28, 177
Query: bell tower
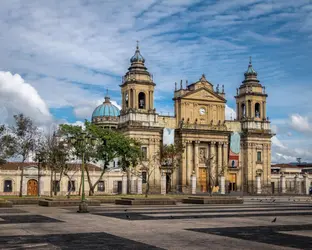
256, 134
251, 98
137, 87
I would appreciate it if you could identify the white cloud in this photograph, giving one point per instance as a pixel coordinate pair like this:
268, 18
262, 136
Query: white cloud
276, 142
300, 123
284, 153
17, 96
230, 113
85, 110
116, 104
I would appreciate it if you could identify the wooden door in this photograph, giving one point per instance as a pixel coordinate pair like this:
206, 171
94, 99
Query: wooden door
32, 187
232, 182
203, 179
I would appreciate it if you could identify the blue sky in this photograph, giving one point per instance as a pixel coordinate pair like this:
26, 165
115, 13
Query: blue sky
68, 52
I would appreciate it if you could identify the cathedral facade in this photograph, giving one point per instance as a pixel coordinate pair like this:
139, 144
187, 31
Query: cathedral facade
239, 149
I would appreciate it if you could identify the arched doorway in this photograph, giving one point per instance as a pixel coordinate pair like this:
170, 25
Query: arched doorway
168, 183
32, 187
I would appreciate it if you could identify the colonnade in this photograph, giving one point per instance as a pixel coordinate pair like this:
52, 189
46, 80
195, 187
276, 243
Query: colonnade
203, 154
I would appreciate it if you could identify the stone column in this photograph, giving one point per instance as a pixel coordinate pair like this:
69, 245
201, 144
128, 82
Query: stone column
283, 183
183, 174
163, 184
263, 115
124, 183
139, 184
189, 164
237, 112
193, 180
306, 182
196, 155
297, 184
222, 184
258, 184
219, 160
41, 183
213, 162
225, 155
133, 184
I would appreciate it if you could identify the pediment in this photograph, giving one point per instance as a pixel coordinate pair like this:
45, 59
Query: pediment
204, 94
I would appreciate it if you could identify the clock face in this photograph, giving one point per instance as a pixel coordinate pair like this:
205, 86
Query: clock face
202, 111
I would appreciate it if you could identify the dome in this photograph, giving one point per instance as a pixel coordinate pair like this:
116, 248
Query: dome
106, 109
137, 56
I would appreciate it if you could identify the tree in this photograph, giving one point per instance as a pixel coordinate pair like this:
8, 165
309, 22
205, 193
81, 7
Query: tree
25, 135
209, 177
7, 144
170, 157
149, 165
108, 145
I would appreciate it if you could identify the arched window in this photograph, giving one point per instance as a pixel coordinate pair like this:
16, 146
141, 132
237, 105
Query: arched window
243, 110
7, 187
141, 100
257, 110
132, 98
127, 99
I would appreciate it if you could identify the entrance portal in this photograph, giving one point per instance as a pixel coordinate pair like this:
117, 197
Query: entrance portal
168, 183
32, 187
203, 179
232, 182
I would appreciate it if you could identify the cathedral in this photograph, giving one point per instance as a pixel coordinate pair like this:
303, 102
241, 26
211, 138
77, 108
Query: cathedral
239, 149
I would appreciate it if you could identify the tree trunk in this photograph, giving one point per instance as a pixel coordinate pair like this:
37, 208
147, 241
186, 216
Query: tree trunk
21, 182
80, 186
55, 186
91, 191
147, 189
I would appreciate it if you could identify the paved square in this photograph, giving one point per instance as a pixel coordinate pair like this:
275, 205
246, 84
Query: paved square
185, 226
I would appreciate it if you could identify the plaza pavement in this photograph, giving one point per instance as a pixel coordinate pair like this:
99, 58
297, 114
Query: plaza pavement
184, 226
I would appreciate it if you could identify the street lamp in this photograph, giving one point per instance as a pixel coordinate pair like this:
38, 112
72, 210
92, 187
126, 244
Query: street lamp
39, 157
82, 140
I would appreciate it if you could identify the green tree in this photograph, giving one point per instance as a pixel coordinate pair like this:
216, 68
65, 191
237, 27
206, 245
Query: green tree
108, 145
7, 144
25, 135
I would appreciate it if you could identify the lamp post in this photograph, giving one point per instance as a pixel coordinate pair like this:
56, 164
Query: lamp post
82, 140
39, 157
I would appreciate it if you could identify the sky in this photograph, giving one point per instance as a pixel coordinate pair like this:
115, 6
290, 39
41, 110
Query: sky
58, 58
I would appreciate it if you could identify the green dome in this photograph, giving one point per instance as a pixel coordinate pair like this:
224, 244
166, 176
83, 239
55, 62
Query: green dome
106, 109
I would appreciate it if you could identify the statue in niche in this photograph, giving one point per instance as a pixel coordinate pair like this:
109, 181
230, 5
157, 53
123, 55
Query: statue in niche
257, 114
202, 154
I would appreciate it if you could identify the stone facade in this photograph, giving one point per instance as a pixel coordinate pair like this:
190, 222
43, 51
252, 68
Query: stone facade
200, 125
10, 176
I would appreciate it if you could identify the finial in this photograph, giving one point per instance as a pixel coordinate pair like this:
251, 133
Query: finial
217, 88
222, 89
181, 87
175, 86
137, 44
250, 60
186, 83
107, 99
